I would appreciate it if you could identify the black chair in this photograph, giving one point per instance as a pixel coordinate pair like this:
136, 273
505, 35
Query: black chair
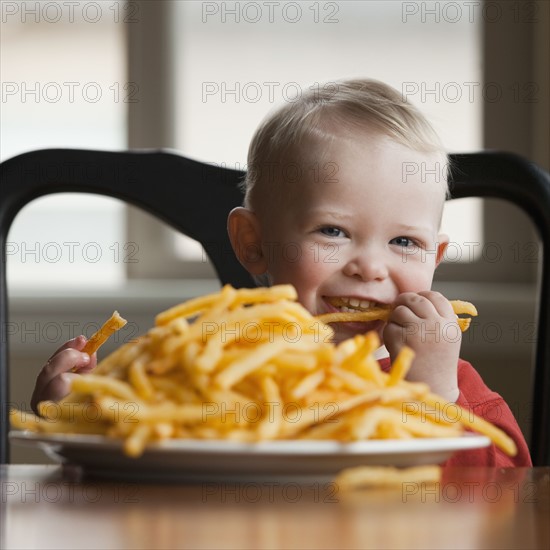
195, 199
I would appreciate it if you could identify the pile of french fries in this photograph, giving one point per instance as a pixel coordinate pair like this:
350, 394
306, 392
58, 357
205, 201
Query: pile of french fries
250, 365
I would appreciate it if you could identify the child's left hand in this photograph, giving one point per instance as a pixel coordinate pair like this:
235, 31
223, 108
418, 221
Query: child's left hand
425, 321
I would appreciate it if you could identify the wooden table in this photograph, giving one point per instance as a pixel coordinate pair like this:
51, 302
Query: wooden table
471, 508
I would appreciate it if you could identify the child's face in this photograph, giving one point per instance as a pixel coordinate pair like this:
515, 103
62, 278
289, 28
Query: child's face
362, 235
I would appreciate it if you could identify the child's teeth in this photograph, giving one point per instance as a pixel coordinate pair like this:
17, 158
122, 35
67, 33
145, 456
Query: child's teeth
347, 304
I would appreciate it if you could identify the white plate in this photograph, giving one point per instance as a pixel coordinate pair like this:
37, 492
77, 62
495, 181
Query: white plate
199, 460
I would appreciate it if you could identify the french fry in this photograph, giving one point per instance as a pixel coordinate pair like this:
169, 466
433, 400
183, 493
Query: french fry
374, 314
366, 425
308, 384
135, 444
197, 305
92, 383
114, 323
315, 415
382, 313
271, 423
460, 307
121, 357
187, 309
386, 476
137, 376
473, 422
28, 421
249, 362
401, 366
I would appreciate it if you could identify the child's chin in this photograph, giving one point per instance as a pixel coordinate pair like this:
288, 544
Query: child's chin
344, 331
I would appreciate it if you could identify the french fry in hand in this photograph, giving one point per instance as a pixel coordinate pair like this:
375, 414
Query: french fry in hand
382, 313
114, 323
373, 314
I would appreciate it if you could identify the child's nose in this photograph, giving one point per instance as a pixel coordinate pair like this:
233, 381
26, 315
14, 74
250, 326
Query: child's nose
366, 269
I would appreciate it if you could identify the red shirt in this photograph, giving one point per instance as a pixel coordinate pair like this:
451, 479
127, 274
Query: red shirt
476, 397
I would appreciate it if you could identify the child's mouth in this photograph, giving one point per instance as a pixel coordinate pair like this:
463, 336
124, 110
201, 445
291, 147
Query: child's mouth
347, 304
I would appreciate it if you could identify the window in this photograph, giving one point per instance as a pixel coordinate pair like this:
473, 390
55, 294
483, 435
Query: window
63, 85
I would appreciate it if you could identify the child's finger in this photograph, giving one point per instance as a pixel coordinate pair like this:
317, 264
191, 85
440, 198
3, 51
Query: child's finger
76, 343
58, 387
86, 368
419, 305
49, 383
403, 316
68, 377
63, 361
441, 304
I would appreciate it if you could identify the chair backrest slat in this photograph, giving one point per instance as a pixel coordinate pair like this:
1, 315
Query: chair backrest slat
510, 177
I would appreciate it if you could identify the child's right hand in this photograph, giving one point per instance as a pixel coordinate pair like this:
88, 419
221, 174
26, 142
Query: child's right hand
53, 382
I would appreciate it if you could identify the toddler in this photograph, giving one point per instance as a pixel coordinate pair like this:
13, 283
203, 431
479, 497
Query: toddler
344, 196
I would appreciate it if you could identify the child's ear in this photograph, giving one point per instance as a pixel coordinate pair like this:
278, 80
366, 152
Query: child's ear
246, 239
442, 244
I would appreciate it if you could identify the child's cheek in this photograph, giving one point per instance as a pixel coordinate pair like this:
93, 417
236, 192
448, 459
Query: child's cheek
415, 277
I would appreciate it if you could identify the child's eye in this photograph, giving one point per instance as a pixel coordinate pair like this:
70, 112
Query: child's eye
405, 242
332, 231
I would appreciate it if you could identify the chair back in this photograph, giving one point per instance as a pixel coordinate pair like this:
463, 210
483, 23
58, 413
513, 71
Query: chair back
512, 178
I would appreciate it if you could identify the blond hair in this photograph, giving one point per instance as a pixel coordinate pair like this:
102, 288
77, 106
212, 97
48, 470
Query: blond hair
335, 110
